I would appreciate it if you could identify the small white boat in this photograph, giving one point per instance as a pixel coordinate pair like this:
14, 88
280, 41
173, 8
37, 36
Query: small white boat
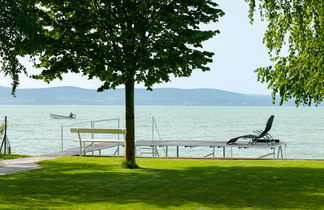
57, 116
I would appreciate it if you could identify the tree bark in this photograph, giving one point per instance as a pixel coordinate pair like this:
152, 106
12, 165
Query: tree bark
130, 125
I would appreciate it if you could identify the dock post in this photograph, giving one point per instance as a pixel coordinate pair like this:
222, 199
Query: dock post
92, 126
279, 152
92, 136
62, 147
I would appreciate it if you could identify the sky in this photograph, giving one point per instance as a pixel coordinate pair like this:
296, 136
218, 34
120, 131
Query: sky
238, 49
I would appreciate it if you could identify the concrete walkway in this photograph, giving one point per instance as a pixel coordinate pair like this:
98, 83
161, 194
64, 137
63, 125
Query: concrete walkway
21, 164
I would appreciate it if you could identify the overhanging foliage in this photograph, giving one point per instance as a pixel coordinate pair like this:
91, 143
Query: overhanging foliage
295, 39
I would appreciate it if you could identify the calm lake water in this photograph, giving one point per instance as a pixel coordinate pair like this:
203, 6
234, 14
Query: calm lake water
32, 131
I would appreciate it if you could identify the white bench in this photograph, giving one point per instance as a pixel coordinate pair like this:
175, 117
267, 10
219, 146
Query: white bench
83, 141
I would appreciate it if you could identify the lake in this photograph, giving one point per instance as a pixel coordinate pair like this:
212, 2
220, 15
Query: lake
32, 131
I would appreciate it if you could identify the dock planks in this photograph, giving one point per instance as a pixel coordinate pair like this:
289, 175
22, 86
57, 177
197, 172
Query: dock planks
76, 150
180, 143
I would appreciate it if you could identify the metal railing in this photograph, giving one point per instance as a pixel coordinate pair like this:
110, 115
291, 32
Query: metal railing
155, 131
154, 126
92, 125
155, 151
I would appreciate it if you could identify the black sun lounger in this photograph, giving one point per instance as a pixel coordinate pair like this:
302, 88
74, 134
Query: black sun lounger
262, 136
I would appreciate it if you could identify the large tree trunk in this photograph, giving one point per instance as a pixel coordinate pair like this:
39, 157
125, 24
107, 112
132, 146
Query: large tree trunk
130, 125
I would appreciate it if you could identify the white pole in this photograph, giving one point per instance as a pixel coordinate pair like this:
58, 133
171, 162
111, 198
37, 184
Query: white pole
153, 128
62, 146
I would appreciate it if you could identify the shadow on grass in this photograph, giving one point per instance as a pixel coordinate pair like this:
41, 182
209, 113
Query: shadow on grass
65, 184
7, 157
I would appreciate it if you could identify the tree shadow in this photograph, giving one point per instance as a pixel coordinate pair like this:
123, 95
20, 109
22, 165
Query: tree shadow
67, 184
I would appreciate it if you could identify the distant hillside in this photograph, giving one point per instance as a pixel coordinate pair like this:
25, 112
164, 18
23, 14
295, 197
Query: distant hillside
159, 96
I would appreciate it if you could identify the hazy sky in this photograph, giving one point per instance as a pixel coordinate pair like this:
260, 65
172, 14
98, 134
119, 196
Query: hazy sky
238, 51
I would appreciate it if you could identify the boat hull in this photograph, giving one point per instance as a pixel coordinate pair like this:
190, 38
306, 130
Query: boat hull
57, 116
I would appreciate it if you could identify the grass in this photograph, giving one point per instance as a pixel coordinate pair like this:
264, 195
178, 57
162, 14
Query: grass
101, 183
7, 157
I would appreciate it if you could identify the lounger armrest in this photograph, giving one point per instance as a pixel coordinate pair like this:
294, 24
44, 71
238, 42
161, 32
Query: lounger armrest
250, 136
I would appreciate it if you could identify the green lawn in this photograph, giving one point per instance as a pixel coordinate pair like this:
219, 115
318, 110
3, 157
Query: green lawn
7, 157
101, 183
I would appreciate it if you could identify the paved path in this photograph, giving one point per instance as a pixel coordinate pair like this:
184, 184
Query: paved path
21, 164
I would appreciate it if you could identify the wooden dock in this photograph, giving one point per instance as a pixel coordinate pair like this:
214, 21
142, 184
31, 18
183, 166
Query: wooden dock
76, 150
276, 148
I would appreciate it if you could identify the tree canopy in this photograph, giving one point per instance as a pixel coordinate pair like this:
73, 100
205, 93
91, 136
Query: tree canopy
112, 40
295, 39
19, 35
